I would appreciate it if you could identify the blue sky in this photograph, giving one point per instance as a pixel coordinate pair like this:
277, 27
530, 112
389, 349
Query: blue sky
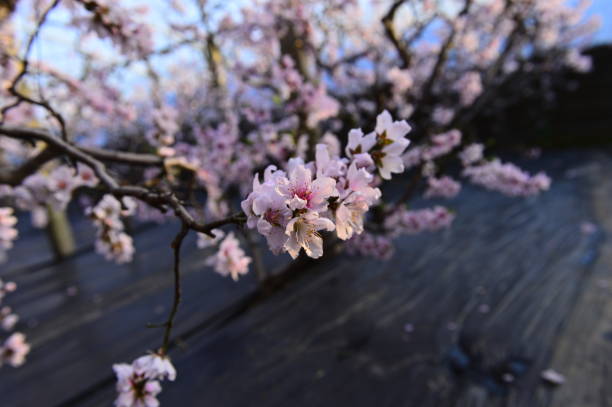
604, 9
60, 38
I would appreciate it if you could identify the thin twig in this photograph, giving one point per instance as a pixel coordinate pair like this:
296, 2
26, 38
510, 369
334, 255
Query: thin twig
176, 246
24, 70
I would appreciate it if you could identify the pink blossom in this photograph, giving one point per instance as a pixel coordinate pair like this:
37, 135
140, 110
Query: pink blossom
332, 143
356, 197
471, 154
115, 245
6, 288
33, 195
230, 259
418, 221
400, 79
328, 166
302, 192
8, 232
349, 217
367, 244
267, 209
112, 242
54, 189
444, 187
138, 384
133, 389
390, 135
441, 144
61, 183
14, 350
385, 145
358, 182
7, 318
578, 62
205, 241
155, 366
87, 176
442, 115
303, 232
164, 129
469, 87
413, 157
109, 20
359, 143
507, 179
320, 106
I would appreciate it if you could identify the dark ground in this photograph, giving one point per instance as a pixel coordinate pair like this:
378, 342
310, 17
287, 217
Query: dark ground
513, 287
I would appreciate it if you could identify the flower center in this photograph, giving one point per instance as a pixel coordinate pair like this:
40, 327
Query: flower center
272, 216
303, 193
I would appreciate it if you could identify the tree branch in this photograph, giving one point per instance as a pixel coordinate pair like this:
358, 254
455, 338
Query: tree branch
24, 70
393, 36
176, 246
124, 157
157, 199
14, 178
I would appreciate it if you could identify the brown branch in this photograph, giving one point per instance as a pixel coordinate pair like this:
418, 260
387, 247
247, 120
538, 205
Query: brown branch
418, 32
16, 177
124, 157
24, 70
470, 112
346, 60
427, 92
157, 199
63, 147
176, 247
394, 37
101, 154
437, 69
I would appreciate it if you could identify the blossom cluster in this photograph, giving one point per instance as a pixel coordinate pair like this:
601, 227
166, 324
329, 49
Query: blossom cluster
269, 86
8, 232
406, 221
367, 244
290, 207
7, 318
138, 384
54, 189
112, 241
108, 20
164, 129
399, 222
229, 258
15, 348
280, 78
502, 177
437, 146
444, 187
469, 87
507, 178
